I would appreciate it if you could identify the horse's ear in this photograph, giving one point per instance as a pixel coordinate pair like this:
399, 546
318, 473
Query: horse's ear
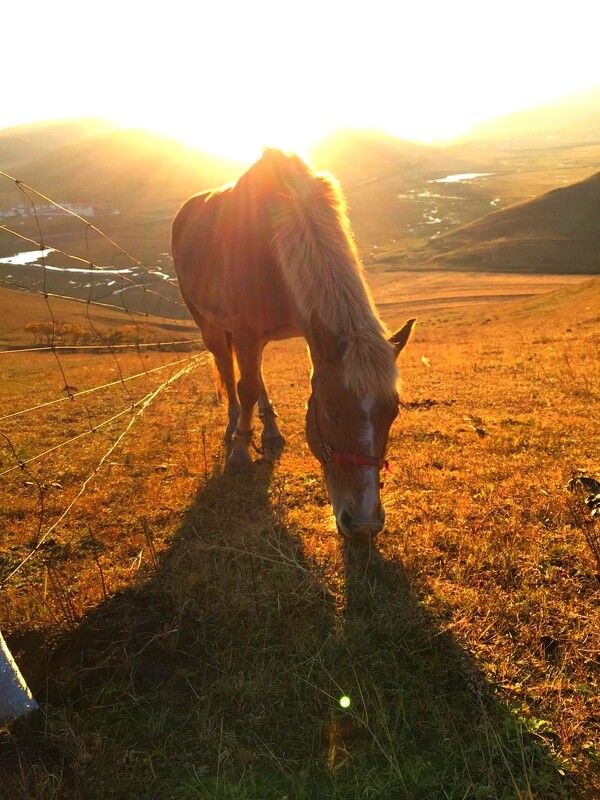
401, 337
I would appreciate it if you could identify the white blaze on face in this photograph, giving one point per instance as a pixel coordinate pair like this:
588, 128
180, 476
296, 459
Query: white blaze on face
368, 503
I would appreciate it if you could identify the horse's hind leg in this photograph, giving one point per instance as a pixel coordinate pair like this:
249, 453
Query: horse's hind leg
248, 351
271, 438
218, 342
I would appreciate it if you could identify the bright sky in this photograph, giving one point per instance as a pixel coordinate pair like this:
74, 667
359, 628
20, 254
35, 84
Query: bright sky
233, 75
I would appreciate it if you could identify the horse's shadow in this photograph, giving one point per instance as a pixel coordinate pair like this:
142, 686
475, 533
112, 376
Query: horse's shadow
444, 730
225, 670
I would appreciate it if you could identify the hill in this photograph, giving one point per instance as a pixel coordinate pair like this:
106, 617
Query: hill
570, 119
557, 232
123, 167
18, 143
355, 156
133, 180
141, 169
73, 161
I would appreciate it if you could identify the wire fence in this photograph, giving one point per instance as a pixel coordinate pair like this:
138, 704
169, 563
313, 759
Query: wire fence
113, 313
140, 405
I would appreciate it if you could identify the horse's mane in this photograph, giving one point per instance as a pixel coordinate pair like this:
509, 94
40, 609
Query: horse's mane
315, 250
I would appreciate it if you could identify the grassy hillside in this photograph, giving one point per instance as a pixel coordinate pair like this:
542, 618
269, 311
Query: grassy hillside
190, 634
145, 178
557, 232
18, 308
135, 181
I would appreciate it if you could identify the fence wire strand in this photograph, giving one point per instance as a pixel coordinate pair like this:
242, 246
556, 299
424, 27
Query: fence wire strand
32, 289
93, 389
94, 427
97, 347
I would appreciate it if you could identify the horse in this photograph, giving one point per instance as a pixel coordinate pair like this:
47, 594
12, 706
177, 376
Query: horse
270, 257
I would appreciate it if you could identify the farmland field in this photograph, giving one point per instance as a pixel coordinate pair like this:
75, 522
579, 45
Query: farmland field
189, 634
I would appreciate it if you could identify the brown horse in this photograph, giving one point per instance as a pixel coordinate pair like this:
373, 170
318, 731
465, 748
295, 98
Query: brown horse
272, 257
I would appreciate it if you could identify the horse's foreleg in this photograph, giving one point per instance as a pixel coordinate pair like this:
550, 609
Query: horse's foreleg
271, 438
249, 354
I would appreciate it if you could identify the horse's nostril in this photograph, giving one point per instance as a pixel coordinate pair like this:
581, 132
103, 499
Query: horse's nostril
346, 520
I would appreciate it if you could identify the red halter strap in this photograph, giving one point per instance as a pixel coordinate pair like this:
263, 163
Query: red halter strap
329, 455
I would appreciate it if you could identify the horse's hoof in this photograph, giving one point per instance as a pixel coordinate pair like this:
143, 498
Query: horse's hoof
273, 445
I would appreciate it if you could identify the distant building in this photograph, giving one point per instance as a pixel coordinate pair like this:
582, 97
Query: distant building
50, 210
83, 211
54, 211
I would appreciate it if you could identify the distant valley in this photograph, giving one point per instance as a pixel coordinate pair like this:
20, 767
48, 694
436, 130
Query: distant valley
556, 232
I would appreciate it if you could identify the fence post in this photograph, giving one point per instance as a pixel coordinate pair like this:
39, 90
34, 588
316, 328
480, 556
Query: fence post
15, 697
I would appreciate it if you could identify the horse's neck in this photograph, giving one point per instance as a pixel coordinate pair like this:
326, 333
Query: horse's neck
362, 356
325, 346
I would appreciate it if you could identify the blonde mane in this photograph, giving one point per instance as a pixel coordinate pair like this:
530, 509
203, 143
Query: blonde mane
315, 249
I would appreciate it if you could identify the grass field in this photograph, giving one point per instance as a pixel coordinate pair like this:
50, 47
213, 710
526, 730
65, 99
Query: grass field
190, 634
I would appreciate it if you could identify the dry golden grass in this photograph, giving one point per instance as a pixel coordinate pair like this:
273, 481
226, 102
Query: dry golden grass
17, 308
192, 632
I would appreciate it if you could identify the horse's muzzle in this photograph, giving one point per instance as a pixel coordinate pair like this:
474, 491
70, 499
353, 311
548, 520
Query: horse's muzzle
359, 529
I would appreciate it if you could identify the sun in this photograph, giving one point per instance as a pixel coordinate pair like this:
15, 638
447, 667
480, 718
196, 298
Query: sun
229, 144
243, 137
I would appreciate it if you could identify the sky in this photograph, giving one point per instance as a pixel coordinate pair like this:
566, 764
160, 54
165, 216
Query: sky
232, 76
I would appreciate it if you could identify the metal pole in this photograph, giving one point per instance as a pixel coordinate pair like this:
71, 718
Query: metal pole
15, 697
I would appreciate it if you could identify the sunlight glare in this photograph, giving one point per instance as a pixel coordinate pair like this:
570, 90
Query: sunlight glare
236, 133
244, 144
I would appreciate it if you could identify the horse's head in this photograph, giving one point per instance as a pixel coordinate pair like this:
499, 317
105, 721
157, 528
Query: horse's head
348, 433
